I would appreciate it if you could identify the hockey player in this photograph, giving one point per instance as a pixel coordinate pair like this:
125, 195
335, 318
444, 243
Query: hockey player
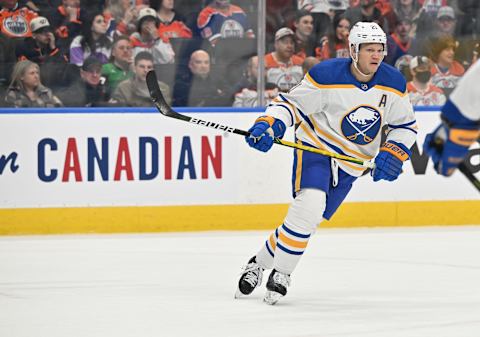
448, 144
341, 106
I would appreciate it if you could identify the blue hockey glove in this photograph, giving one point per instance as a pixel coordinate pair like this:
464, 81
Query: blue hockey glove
389, 162
448, 147
263, 132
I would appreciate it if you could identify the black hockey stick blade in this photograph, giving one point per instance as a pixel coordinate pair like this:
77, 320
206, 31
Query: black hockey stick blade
159, 100
469, 175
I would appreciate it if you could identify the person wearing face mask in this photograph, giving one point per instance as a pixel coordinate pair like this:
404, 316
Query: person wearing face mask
421, 91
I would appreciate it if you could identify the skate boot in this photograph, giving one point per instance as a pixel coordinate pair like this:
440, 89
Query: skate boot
276, 287
251, 278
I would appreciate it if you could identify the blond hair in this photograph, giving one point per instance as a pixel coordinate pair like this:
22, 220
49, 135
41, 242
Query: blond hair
18, 71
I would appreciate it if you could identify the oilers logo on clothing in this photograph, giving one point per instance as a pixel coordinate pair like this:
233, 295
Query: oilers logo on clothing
361, 125
329, 107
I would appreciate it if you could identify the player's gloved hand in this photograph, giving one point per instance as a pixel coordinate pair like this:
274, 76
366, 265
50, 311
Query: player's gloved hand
263, 132
389, 162
448, 147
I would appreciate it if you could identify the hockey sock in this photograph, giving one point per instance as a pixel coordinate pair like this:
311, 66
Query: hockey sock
267, 252
291, 244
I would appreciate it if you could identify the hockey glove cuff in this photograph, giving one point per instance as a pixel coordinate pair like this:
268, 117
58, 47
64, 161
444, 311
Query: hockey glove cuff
262, 133
389, 162
448, 147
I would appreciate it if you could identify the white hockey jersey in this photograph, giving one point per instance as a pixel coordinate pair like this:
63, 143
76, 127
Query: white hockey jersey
466, 96
335, 112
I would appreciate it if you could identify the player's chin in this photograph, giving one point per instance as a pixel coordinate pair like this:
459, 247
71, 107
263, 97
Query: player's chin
374, 66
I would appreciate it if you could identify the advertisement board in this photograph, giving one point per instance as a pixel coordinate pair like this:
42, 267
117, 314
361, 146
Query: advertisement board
97, 160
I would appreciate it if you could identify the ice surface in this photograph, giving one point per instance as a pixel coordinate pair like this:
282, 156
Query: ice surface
406, 282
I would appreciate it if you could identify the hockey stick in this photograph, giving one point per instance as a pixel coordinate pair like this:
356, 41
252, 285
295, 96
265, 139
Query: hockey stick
166, 110
469, 175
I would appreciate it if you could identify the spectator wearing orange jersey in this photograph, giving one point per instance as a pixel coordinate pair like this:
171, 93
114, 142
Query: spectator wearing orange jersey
283, 68
15, 20
446, 71
420, 90
172, 24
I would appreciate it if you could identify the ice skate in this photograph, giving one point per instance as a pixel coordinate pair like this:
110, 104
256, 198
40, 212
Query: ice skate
251, 278
276, 287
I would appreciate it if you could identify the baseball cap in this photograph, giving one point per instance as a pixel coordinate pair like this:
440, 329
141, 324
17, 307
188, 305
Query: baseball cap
39, 23
145, 12
419, 61
282, 32
446, 11
91, 63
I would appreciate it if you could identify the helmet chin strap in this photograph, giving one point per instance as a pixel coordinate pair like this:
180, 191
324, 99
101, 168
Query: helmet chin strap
355, 64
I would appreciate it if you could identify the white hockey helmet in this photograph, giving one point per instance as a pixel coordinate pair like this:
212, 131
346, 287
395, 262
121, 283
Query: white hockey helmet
367, 32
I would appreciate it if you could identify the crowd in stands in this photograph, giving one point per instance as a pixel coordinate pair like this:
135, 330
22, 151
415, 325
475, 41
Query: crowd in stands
85, 53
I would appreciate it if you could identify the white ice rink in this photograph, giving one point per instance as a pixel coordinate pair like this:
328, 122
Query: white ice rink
411, 282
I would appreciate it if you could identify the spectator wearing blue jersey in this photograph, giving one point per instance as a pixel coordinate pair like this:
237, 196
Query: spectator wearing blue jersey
221, 19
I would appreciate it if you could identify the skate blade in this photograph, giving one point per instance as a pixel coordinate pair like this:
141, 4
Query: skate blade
238, 294
272, 297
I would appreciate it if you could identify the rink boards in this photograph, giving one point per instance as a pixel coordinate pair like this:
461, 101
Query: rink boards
103, 170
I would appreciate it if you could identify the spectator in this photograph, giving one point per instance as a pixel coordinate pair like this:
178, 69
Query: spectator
15, 19
93, 41
220, 19
67, 22
421, 91
282, 67
26, 89
367, 12
407, 9
198, 87
446, 71
321, 11
304, 37
41, 48
246, 94
147, 39
403, 65
446, 21
308, 63
400, 41
172, 24
134, 91
119, 67
123, 16
336, 44
90, 90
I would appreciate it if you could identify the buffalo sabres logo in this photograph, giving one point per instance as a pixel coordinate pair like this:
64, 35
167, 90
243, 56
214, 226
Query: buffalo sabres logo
361, 125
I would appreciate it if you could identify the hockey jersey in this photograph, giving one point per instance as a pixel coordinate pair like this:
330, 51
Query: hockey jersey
16, 23
466, 96
447, 80
335, 112
431, 96
213, 23
283, 75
